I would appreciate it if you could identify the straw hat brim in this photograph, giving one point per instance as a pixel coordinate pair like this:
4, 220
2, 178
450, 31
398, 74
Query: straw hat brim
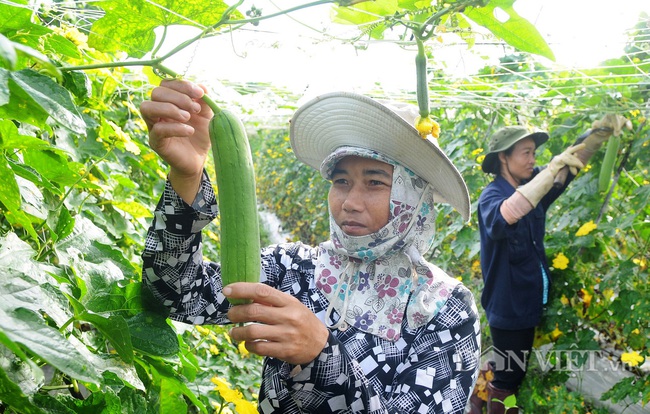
338, 119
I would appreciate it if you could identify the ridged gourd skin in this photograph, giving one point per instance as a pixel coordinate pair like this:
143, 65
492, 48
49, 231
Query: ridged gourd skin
240, 234
607, 166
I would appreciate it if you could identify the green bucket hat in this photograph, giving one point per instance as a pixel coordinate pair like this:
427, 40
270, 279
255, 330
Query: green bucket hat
505, 138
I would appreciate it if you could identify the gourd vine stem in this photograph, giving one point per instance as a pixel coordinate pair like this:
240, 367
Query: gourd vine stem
434, 19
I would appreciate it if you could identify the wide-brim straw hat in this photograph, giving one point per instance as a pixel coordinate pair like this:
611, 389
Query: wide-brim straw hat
339, 119
505, 138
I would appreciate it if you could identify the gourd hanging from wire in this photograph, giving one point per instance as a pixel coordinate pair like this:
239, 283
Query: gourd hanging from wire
424, 123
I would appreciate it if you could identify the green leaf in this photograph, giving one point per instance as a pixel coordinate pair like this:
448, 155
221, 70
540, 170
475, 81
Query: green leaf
171, 399
78, 83
129, 25
53, 99
32, 331
43, 63
11, 139
64, 224
53, 166
27, 283
150, 333
516, 31
9, 191
4, 87
55, 44
174, 386
115, 329
510, 401
97, 249
15, 16
134, 402
23, 296
24, 372
21, 106
369, 16
8, 55
28, 173
33, 200
13, 396
10, 197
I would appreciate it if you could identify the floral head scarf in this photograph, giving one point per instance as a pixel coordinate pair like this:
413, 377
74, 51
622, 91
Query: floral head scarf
374, 281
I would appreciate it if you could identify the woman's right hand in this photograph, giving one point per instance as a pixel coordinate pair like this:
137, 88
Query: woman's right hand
178, 120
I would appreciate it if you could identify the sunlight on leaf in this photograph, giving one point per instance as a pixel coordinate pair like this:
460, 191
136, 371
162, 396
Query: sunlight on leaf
516, 31
128, 26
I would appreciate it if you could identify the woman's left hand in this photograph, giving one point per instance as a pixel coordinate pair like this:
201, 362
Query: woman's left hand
283, 327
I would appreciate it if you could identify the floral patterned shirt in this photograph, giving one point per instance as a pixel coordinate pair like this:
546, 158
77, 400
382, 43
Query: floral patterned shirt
430, 369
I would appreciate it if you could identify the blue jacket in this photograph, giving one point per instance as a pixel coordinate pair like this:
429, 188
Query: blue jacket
512, 257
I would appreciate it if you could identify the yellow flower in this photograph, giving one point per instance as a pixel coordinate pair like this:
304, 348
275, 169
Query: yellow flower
642, 263
227, 393
480, 159
560, 261
585, 296
476, 266
149, 156
556, 333
564, 300
241, 347
245, 407
477, 151
202, 330
633, 359
214, 350
586, 228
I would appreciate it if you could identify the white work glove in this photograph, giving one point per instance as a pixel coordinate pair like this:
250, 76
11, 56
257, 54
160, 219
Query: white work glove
537, 188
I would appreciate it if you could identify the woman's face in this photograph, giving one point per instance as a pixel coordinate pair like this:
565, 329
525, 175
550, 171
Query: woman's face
359, 197
518, 166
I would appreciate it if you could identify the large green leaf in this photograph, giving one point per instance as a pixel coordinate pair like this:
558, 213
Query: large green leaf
115, 329
129, 25
11, 199
8, 55
11, 139
150, 333
9, 192
172, 387
51, 98
4, 87
29, 329
97, 249
51, 164
516, 31
12, 395
22, 299
171, 399
16, 15
369, 16
43, 38
19, 105
27, 283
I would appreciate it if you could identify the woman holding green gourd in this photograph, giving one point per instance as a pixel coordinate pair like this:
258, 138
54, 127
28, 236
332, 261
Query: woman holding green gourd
361, 323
